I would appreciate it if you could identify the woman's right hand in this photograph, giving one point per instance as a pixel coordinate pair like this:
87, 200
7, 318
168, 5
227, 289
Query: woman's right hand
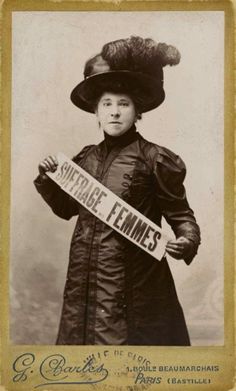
50, 163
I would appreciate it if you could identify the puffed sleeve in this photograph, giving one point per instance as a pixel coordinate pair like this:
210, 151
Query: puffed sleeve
61, 203
170, 172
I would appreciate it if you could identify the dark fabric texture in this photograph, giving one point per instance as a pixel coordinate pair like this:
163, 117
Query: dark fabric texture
116, 293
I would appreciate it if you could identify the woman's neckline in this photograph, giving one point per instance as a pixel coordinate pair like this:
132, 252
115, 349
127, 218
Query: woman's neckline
126, 138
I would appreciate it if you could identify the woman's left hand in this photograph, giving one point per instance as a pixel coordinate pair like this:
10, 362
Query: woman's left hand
179, 248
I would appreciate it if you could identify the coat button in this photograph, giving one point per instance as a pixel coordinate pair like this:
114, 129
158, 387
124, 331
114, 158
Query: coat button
127, 176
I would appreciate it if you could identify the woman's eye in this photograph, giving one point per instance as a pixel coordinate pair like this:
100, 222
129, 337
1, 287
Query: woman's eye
106, 104
124, 104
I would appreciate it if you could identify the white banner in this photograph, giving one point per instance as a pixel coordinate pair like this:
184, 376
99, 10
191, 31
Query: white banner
108, 207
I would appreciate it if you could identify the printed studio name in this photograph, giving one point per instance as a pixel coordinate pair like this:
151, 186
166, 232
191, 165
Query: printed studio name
55, 369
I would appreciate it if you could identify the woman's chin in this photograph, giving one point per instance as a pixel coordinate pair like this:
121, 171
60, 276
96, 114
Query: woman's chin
115, 130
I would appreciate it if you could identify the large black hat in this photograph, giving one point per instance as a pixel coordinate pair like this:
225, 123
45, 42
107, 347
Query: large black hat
133, 65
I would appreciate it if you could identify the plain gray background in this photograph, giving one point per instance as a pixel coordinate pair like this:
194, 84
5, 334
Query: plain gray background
49, 51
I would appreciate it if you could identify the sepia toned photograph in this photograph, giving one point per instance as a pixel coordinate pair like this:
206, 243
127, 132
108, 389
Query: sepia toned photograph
136, 99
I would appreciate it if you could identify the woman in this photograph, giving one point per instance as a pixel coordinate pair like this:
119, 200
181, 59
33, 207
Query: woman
115, 292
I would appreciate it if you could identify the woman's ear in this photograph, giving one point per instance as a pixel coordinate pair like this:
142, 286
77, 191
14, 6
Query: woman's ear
138, 117
98, 122
96, 114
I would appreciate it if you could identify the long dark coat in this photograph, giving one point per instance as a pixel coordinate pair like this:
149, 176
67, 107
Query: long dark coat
115, 292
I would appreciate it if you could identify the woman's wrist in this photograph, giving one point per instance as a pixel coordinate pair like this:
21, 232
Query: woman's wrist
43, 177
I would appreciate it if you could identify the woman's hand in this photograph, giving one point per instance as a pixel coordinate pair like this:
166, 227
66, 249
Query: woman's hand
50, 163
180, 248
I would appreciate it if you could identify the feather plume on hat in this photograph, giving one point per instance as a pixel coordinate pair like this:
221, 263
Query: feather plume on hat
139, 55
135, 63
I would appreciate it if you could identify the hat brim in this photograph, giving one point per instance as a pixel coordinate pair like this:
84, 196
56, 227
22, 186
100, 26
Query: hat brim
151, 88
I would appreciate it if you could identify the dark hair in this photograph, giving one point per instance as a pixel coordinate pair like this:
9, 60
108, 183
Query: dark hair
118, 86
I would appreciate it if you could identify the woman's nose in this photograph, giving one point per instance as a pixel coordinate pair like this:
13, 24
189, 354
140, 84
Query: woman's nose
115, 111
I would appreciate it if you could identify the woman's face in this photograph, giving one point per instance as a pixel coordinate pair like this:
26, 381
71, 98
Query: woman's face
116, 113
